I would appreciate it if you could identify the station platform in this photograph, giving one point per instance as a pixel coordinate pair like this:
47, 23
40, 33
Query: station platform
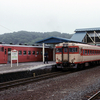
27, 66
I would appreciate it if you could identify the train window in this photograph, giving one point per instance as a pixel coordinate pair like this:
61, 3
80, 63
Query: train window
24, 52
5, 51
58, 50
88, 52
29, 52
72, 49
20, 52
37, 52
65, 49
85, 52
2, 49
95, 51
33, 52
41, 52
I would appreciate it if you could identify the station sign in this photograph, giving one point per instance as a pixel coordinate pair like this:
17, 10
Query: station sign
14, 56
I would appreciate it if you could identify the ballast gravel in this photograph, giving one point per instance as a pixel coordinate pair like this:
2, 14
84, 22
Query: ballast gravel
73, 86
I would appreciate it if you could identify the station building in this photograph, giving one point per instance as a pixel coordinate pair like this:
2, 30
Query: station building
85, 35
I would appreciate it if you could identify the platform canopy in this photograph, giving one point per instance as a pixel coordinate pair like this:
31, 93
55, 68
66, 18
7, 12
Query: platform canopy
54, 40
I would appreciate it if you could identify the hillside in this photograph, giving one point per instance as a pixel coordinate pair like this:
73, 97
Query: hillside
29, 37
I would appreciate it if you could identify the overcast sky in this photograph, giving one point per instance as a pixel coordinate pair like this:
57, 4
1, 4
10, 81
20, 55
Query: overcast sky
48, 15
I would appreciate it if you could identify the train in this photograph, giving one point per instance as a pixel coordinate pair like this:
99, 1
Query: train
77, 55
26, 53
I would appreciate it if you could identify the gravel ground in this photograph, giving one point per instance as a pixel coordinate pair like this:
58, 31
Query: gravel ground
67, 87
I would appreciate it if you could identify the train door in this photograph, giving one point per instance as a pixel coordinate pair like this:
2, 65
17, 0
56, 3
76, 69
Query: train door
9, 55
65, 54
81, 54
5, 55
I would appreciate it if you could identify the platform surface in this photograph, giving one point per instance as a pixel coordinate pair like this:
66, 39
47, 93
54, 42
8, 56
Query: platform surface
27, 66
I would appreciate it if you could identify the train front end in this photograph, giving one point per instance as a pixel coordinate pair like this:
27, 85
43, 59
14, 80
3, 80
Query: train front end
62, 55
67, 55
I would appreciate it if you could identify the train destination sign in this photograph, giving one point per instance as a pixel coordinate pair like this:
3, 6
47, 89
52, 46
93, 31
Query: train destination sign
14, 56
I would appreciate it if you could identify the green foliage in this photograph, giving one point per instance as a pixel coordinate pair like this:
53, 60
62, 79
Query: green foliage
30, 37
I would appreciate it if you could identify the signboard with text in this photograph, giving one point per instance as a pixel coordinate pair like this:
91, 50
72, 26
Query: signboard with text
14, 56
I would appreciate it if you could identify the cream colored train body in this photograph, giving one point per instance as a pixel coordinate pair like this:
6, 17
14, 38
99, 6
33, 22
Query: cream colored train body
74, 55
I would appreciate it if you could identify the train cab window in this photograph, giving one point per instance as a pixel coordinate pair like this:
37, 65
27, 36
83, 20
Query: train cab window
33, 52
24, 52
29, 52
72, 49
65, 49
20, 52
58, 50
37, 52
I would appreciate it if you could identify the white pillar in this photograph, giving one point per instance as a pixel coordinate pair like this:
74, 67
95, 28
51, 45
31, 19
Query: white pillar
43, 52
53, 52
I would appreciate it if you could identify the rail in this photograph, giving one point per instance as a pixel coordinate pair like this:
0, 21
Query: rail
9, 84
96, 96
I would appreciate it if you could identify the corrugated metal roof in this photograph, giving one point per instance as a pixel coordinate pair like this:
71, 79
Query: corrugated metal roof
87, 29
78, 36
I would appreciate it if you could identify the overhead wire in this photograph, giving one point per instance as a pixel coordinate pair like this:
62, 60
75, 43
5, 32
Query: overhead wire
6, 28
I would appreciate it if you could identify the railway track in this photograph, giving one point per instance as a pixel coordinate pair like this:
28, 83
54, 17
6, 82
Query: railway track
96, 96
6, 85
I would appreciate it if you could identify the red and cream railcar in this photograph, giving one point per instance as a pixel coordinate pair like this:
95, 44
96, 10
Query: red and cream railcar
25, 53
74, 55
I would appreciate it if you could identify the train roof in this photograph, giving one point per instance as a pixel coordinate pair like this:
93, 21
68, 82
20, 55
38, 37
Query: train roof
78, 44
24, 46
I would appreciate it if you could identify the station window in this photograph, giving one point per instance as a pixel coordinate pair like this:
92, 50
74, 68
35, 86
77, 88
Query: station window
29, 52
72, 49
33, 52
24, 52
20, 52
37, 52
65, 49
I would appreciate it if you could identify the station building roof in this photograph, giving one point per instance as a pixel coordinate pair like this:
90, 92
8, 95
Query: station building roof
78, 36
87, 29
80, 33
53, 40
